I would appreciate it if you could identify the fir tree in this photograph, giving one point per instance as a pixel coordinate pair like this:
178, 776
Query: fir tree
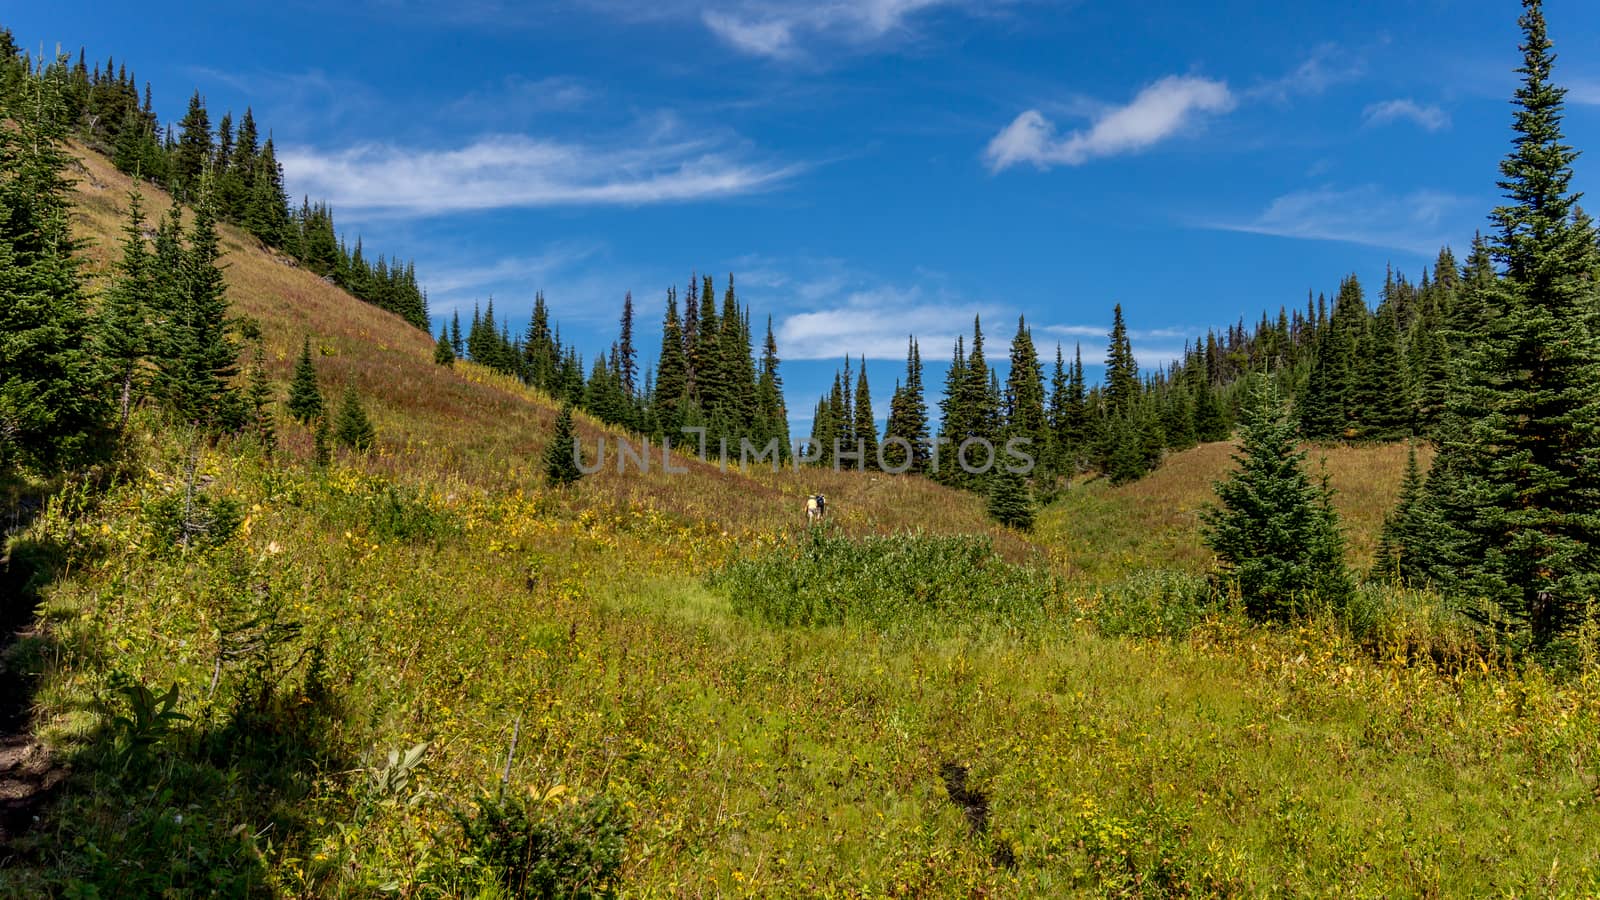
672, 376
352, 428
1025, 400
866, 429
908, 417
54, 408
259, 395
321, 443
443, 353
1009, 502
198, 359
1275, 534
560, 456
627, 357
1517, 478
1398, 542
194, 149
305, 397
124, 333
1122, 371
772, 414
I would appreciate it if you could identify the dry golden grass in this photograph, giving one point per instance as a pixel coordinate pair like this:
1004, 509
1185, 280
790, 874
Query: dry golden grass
1101, 531
482, 429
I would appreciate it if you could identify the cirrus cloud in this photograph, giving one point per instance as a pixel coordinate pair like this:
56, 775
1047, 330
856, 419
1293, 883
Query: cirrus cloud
1429, 117
514, 171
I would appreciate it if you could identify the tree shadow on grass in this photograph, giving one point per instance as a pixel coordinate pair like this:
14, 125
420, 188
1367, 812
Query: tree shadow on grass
151, 802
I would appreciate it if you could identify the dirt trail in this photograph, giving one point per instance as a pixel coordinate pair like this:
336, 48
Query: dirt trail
28, 774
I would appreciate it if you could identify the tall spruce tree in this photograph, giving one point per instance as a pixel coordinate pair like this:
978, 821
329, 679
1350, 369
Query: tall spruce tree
866, 429
672, 374
1024, 396
124, 332
772, 414
1517, 478
54, 408
199, 359
627, 356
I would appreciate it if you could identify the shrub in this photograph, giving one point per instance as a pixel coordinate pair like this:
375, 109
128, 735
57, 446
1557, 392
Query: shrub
1275, 534
830, 579
1155, 604
572, 851
354, 429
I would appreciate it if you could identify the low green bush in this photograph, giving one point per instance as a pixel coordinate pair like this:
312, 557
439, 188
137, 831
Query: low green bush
829, 579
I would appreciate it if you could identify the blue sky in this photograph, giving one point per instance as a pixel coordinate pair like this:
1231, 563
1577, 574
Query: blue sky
872, 168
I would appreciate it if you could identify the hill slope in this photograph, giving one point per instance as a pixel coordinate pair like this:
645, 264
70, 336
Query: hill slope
561, 657
479, 427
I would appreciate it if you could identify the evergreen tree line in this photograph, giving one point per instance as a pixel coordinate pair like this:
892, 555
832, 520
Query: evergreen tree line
233, 163
707, 374
1499, 367
160, 333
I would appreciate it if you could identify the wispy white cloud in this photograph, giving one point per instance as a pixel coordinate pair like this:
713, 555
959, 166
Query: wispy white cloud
1428, 116
1584, 91
517, 96
876, 322
1419, 222
497, 172
776, 29
1158, 112
1327, 65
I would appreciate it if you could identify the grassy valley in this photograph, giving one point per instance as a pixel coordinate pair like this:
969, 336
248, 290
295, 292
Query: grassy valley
366, 660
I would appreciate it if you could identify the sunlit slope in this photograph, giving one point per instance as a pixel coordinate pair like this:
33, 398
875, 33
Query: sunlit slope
484, 430
1102, 532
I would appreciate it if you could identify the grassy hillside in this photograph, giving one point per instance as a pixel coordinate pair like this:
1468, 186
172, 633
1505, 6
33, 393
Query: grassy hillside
564, 655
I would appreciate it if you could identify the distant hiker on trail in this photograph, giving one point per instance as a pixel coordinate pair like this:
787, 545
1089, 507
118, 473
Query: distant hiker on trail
816, 505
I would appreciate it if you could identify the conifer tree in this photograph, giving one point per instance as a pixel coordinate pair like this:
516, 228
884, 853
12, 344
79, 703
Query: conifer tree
457, 345
1329, 409
1025, 400
54, 408
771, 411
194, 149
560, 456
1381, 392
1122, 371
866, 429
443, 353
198, 360
672, 376
305, 397
627, 357
1275, 533
1398, 542
124, 332
259, 395
321, 443
908, 416
1009, 502
352, 428
1516, 482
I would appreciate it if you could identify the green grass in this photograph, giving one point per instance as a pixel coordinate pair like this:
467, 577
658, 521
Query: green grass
1205, 758
900, 582
783, 730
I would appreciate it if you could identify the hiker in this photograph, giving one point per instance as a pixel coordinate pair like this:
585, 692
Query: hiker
816, 505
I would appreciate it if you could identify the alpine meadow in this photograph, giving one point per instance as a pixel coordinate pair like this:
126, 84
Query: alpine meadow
330, 571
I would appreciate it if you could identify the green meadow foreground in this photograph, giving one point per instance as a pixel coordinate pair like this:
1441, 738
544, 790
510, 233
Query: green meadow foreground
356, 681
